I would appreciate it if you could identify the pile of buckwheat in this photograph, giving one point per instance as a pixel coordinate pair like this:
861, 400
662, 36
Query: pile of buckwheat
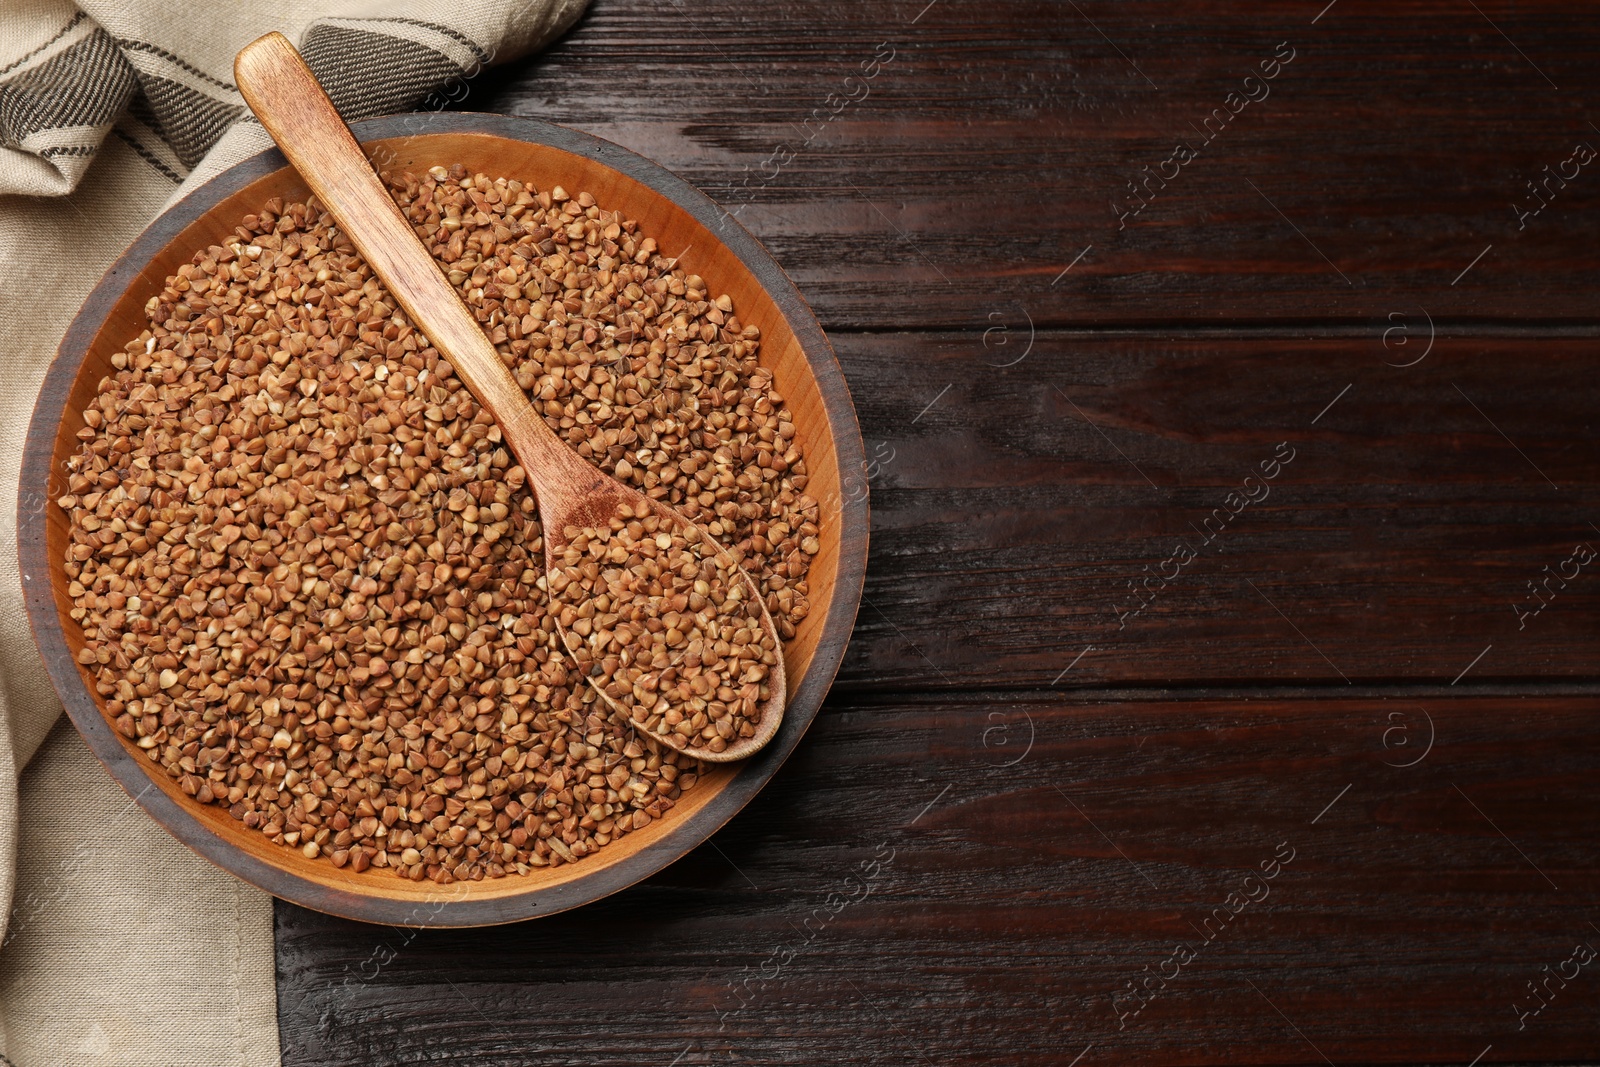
309, 575
667, 626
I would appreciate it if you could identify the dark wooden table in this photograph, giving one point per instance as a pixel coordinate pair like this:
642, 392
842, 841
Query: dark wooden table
1225, 687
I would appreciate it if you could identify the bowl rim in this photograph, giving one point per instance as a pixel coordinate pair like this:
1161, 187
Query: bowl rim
138, 781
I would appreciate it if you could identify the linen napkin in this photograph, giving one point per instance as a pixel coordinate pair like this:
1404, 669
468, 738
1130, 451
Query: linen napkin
119, 945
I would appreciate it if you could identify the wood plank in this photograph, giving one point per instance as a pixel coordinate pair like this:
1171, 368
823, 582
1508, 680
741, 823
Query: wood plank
1013, 507
1033, 860
983, 157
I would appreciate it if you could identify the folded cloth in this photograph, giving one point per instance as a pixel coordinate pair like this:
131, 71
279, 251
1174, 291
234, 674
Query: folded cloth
119, 945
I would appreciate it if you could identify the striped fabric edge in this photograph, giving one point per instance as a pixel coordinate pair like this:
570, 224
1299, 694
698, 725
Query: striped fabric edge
454, 45
56, 105
61, 99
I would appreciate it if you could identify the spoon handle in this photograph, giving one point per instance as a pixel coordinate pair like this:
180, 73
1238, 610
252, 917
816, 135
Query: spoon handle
295, 110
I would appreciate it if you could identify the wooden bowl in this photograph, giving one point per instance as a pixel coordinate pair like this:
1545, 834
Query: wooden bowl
678, 217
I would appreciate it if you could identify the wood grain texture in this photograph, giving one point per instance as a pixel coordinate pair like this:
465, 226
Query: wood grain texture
1011, 903
959, 204
982, 158
1013, 507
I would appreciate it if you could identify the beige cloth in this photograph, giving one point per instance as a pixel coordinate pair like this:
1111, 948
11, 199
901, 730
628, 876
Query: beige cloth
121, 946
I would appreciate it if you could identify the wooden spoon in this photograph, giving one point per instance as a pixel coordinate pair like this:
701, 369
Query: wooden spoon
572, 493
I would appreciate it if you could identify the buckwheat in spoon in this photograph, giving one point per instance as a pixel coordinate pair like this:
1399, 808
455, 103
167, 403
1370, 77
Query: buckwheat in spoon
659, 616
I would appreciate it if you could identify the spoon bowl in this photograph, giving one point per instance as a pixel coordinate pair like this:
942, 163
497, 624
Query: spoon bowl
626, 504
